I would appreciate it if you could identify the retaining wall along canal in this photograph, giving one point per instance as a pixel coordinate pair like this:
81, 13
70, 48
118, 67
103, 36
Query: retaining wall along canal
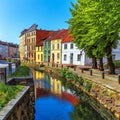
22, 107
102, 99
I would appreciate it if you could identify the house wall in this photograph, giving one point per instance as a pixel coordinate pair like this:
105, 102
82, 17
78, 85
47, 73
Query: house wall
3, 50
75, 51
21, 47
56, 52
46, 53
39, 54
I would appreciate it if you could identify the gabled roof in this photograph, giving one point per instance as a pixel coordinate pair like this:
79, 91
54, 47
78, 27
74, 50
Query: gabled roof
60, 34
52, 35
67, 37
42, 35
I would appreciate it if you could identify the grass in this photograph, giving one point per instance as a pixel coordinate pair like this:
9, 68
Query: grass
116, 63
22, 71
8, 92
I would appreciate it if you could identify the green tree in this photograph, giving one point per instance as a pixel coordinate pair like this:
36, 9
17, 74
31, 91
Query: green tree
95, 26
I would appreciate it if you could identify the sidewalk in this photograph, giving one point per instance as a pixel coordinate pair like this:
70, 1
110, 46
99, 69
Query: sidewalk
109, 81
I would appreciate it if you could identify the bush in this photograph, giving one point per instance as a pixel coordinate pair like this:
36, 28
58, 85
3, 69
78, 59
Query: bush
87, 85
22, 71
7, 93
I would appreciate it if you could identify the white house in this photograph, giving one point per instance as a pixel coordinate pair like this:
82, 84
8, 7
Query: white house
71, 54
115, 53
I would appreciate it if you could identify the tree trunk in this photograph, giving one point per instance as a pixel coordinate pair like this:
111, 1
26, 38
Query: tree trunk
111, 65
101, 68
94, 62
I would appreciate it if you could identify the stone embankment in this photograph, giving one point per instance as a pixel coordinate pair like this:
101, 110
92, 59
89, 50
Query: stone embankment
107, 98
22, 106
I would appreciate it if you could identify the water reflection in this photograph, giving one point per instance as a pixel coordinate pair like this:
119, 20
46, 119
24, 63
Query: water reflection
55, 102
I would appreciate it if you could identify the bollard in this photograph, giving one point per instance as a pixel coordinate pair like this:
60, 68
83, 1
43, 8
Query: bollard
91, 72
103, 75
61, 66
119, 79
81, 70
74, 68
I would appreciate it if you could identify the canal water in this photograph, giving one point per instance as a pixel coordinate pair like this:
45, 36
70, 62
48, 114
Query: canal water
53, 101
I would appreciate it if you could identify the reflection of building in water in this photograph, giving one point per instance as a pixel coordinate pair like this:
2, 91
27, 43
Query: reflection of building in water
38, 75
41, 81
55, 86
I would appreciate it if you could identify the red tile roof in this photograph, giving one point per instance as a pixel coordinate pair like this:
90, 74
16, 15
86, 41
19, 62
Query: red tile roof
41, 36
52, 35
60, 34
67, 37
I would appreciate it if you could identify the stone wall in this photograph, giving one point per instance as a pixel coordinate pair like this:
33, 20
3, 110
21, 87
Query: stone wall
22, 107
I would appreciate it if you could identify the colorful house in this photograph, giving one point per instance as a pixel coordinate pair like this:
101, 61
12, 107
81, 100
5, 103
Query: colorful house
30, 43
22, 45
43, 34
47, 46
71, 54
56, 48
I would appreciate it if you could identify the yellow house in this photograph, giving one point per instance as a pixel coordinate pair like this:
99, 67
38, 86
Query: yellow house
56, 46
39, 54
21, 45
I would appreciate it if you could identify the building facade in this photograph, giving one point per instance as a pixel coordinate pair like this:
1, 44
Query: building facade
56, 47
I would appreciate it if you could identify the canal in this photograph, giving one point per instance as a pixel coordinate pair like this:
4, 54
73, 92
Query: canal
55, 101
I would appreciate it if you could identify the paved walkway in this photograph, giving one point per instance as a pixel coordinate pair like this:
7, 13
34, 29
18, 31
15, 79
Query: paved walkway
110, 81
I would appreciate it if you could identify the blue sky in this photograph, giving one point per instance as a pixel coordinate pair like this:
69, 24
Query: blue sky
16, 15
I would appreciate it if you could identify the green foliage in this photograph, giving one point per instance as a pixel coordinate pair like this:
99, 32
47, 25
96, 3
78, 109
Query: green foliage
83, 111
95, 27
7, 93
22, 71
87, 85
116, 63
65, 73
80, 80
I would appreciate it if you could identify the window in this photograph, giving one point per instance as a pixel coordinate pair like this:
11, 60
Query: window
113, 56
71, 46
41, 57
48, 44
48, 51
65, 57
53, 46
58, 56
57, 46
78, 57
38, 57
65, 46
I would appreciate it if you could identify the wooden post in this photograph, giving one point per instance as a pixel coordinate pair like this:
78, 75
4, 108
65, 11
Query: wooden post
103, 75
10, 68
82, 70
119, 78
75, 68
91, 72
